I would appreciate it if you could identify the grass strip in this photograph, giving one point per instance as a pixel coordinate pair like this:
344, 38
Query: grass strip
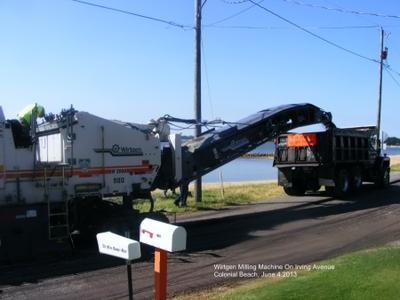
363, 275
395, 168
215, 198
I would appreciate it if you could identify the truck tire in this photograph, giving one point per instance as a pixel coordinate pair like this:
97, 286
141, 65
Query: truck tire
330, 190
295, 190
383, 178
315, 187
356, 179
342, 184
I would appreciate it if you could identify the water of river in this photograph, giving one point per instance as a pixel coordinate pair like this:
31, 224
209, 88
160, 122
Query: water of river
243, 169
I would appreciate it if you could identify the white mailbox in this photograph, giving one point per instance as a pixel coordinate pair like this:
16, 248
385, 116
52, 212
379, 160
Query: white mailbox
119, 246
162, 235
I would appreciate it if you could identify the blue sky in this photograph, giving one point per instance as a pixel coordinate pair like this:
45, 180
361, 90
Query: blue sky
60, 52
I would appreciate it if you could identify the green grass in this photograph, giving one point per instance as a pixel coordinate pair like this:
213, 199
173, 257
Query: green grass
395, 168
213, 198
371, 274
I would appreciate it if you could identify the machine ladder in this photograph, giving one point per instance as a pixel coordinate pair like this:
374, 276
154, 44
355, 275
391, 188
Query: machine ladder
57, 202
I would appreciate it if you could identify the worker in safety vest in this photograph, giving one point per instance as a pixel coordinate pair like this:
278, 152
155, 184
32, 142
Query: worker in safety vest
32, 110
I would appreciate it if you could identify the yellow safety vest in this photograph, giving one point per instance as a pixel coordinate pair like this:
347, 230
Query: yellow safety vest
25, 115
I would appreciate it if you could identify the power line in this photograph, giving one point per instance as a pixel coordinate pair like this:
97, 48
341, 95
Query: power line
391, 75
234, 2
207, 80
204, 3
386, 65
358, 16
314, 34
341, 10
171, 23
288, 28
232, 16
391, 69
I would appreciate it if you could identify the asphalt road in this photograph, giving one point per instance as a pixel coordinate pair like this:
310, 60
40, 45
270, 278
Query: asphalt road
284, 231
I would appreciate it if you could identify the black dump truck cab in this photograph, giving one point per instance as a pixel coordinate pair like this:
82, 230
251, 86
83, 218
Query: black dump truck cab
339, 159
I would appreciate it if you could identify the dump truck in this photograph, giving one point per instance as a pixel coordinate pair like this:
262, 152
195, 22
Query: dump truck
341, 159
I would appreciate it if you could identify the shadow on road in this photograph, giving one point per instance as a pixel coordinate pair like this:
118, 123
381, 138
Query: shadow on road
206, 234
220, 233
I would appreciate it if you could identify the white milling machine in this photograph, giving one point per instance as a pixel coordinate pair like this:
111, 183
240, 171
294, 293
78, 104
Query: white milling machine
53, 177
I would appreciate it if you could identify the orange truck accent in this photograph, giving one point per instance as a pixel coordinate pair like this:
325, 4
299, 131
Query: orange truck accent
301, 140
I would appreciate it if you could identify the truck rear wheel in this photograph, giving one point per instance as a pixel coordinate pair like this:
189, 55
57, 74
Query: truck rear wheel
315, 187
295, 190
383, 178
342, 183
356, 179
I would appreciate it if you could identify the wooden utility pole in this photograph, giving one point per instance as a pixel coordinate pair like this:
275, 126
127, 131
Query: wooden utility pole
197, 85
383, 56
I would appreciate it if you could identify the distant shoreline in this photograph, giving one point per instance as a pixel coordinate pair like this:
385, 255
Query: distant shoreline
258, 155
216, 184
267, 155
394, 160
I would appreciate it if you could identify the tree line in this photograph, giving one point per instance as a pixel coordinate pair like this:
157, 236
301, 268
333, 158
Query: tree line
392, 141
